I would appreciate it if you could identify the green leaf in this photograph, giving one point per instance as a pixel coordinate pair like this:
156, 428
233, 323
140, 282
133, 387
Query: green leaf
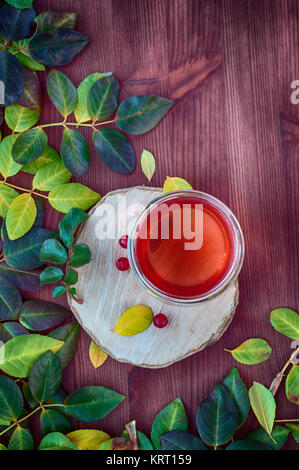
88, 439
24, 280
175, 184
133, 321
20, 216
80, 256
286, 321
29, 146
181, 440
56, 441
24, 252
107, 445
45, 377
40, 217
71, 277
20, 119
7, 196
12, 76
21, 439
115, 151
51, 20
279, 435
172, 417
217, 417
69, 223
29, 397
58, 291
96, 355
53, 421
294, 428
62, 92
58, 400
75, 152
21, 352
238, 392
19, 50
57, 46
248, 445
251, 351
68, 196
2, 447
49, 155
50, 275
50, 175
142, 440
81, 113
148, 164
16, 23
52, 251
102, 98
10, 301
8, 167
11, 399
69, 334
292, 385
31, 96
20, 3
11, 329
39, 315
4, 422
28, 62
139, 114
263, 404
92, 403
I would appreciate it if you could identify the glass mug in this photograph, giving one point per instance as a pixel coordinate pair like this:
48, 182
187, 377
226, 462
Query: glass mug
186, 247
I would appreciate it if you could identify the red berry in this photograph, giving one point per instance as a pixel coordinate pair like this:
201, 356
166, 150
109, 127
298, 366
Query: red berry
122, 264
123, 241
160, 320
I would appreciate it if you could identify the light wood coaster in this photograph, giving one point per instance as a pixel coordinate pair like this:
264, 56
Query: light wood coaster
107, 293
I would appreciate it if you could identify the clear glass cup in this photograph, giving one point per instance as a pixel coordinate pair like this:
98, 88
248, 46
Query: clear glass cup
224, 215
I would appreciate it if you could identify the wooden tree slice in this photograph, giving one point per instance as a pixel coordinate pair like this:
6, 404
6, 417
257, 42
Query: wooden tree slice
107, 293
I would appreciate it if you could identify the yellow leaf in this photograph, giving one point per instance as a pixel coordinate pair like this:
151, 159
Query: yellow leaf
148, 164
175, 184
134, 320
20, 216
7, 196
71, 195
88, 439
20, 119
8, 167
96, 355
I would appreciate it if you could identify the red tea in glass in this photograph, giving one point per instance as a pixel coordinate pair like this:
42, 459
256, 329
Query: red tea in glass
186, 247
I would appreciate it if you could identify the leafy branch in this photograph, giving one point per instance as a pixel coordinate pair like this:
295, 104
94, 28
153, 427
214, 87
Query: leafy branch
94, 104
96, 99
255, 351
65, 252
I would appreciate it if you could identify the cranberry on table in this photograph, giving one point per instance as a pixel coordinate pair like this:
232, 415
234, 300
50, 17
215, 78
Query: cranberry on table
160, 320
123, 241
122, 264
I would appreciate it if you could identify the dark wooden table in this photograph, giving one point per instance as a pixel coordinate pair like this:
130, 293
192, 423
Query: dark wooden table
229, 65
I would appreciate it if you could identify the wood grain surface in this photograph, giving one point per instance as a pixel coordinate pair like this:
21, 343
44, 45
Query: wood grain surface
229, 65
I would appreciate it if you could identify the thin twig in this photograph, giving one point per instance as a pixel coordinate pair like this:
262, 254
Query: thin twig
286, 420
278, 379
25, 190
